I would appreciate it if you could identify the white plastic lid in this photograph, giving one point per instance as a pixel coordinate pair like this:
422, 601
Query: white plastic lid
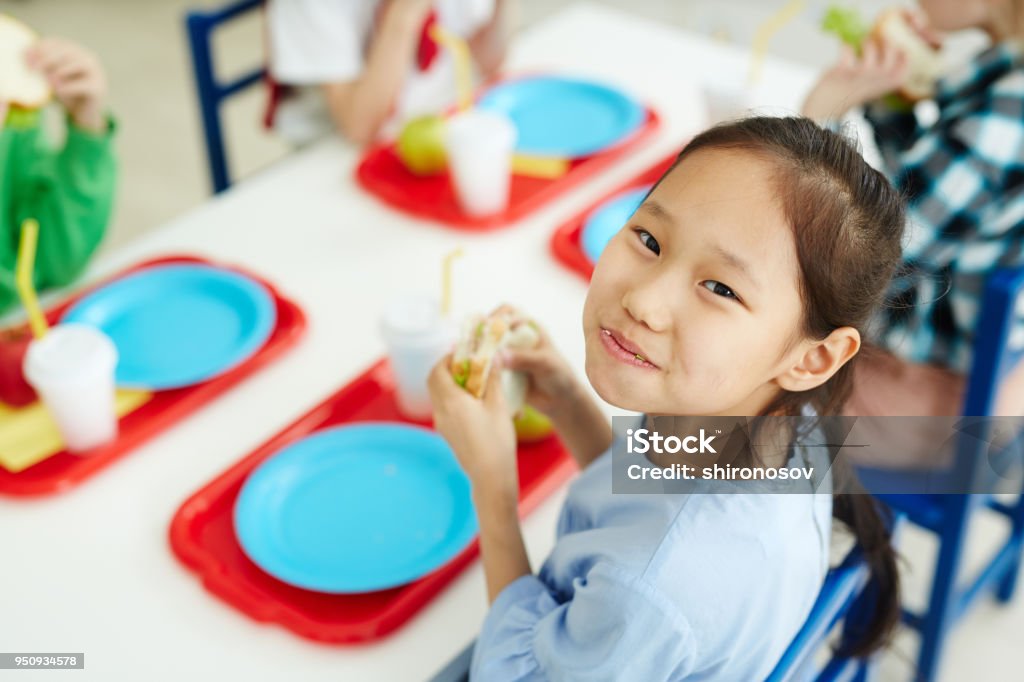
69, 353
477, 127
414, 317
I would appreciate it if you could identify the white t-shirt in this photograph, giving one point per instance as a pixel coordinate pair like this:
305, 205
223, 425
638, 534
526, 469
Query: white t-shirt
313, 42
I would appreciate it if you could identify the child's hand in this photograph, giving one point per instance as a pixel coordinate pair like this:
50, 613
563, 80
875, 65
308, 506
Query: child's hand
77, 79
552, 384
854, 81
3, 113
919, 22
479, 431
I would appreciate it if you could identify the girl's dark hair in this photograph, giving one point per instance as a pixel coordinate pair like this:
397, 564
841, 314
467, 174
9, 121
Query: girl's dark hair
847, 222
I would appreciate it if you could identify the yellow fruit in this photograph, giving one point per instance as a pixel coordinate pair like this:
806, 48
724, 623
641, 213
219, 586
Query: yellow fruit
421, 145
532, 426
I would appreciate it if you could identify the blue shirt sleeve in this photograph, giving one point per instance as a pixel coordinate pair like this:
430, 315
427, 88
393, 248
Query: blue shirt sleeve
614, 621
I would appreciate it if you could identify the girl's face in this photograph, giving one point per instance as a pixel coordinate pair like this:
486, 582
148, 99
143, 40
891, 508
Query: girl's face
694, 307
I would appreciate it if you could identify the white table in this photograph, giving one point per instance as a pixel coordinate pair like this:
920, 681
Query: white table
91, 570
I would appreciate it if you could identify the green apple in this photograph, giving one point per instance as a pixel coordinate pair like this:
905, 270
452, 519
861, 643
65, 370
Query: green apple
421, 145
532, 426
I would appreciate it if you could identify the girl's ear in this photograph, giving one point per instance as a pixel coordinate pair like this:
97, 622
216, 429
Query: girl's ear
819, 360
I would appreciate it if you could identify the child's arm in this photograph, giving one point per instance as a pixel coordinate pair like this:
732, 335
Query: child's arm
483, 439
614, 625
490, 43
856, 80
613, 619
69, 192
359, 107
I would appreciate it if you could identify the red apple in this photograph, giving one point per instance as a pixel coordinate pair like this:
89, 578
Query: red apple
14, 390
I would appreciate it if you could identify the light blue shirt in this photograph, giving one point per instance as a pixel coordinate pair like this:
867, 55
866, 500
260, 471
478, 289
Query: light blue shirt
662, 586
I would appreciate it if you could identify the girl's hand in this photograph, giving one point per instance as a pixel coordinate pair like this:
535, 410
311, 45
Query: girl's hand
3, 113
77, 79
854, 81
552, 384
479, 431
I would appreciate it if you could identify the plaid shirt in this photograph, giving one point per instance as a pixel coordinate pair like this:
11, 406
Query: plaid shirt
963, 177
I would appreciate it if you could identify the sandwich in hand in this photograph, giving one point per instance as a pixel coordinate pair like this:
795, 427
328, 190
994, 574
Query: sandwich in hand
482, 338
20, 85
892, 27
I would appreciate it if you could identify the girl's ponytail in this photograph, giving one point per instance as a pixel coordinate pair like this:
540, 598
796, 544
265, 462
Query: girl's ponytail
870, 523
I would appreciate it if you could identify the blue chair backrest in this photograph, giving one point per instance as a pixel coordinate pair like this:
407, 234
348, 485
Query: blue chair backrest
846, 595
211, 91
842, 586
998, 340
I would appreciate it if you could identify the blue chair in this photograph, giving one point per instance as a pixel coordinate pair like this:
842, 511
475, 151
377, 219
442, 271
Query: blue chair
846, 596
948, 515
212, 92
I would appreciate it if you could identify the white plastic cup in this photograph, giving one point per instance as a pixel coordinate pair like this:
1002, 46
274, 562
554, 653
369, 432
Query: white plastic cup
72, 370
417, 337
480, 145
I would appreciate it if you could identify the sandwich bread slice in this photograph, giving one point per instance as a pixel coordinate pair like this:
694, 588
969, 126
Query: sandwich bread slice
480, 341
924, 59
20, 85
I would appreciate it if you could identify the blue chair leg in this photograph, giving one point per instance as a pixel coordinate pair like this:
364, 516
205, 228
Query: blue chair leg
199, 28
943, 605
1008, 585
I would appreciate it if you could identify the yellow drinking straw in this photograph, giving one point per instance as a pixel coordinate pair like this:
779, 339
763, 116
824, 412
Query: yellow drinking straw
463, 63
533, 166
767, 30
23, 277
446, 281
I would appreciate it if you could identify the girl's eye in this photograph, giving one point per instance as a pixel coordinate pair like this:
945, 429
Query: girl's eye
649, 241
718, 289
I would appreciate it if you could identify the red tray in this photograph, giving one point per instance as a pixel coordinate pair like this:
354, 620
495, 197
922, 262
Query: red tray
202, 532
565, 242
382, 173
62, 471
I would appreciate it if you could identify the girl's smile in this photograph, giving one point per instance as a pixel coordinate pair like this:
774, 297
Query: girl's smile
622, 349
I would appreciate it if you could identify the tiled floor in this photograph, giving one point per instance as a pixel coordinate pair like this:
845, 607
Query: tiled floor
142, 44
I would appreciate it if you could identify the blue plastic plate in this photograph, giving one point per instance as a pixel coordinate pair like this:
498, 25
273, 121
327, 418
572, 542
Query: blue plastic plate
178, 325
563, 117
356, 508
607, 219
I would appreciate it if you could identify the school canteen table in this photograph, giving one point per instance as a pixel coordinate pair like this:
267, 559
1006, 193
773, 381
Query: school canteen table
91, 570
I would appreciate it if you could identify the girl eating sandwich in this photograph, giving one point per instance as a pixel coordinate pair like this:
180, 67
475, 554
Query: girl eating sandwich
740, 287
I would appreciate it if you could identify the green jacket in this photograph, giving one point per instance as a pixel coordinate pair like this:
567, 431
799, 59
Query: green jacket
68, 191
